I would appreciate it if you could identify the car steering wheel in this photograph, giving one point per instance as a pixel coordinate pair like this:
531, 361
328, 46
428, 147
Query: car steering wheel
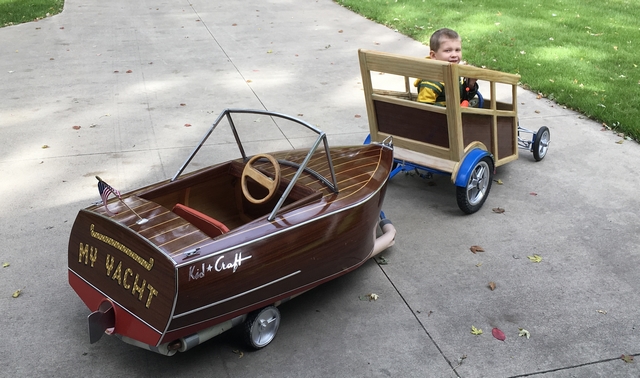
266, 182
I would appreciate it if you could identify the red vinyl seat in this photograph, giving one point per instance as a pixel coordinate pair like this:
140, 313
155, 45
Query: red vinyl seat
205, 223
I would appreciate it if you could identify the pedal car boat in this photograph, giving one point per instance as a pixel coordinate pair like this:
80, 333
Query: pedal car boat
171, 265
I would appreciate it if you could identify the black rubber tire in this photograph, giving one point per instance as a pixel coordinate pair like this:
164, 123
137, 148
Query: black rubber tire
541, 143
261, 326
471, 197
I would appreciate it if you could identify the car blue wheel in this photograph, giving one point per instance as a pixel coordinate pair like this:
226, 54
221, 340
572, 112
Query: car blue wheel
471, 196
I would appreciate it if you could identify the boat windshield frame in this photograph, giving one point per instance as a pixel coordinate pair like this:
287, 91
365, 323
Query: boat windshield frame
302, 167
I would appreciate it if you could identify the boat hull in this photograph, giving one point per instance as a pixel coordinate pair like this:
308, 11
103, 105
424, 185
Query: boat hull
166, 279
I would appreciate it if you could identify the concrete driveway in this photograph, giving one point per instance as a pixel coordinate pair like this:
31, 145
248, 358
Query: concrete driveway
108, 88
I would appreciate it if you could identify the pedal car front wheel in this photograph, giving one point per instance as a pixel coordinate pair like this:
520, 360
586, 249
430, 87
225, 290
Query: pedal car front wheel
541, 143
471, 197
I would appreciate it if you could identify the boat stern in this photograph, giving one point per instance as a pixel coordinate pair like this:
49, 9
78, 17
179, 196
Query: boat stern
126, 282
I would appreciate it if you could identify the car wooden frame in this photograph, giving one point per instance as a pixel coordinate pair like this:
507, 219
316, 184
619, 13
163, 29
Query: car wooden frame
467, 143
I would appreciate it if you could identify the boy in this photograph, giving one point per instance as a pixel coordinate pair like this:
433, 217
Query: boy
445, 45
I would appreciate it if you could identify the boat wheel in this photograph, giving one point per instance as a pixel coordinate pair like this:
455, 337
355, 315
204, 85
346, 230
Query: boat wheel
261, 326
266, 182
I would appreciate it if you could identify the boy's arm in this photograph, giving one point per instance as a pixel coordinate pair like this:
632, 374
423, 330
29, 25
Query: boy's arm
429, 91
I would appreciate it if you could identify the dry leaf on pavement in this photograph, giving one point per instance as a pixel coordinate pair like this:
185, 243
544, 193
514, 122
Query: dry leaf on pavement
628, 358
476, 248
535, 258
498, 334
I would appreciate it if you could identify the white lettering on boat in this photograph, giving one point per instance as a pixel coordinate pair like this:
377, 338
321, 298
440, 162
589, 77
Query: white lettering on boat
222, 265
194, 273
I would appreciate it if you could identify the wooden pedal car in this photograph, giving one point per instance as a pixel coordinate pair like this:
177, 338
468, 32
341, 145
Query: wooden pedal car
171, 265
464, 142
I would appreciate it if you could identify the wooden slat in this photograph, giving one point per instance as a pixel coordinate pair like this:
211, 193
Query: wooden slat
402, 65
424, 160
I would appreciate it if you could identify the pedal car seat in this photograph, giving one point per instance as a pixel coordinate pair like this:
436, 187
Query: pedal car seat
205, 223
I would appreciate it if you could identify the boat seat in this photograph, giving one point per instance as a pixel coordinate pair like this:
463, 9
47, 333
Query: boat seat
205, 223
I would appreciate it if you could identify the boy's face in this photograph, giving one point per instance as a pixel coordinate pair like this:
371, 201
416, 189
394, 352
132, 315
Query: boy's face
450, 51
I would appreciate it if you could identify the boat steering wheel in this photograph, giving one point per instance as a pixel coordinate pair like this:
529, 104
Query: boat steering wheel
266, 182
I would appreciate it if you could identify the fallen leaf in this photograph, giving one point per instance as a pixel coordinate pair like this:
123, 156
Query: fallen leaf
603, 312
382, 260
535, 258
369, 297
4, 265
620, 141
476, 331
628, 359
183, 104
129, 71
498, 334
239, 353
116, 71
498, 210
479, 264
45, 146
476, 248
76, 127
357, 116
524, 332
533, 193
16, 293
492, 285
269, 51
499, 182
187, 125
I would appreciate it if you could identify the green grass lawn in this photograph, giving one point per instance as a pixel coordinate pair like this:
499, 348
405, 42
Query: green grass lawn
18, 11
582, 54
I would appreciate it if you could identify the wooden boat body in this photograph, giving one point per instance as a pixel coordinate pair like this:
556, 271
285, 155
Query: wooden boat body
166, 278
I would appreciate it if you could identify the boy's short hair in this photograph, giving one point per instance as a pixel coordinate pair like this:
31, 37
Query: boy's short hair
434, 41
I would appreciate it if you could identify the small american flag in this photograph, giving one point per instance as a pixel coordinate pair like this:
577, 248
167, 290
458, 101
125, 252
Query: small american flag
106, 190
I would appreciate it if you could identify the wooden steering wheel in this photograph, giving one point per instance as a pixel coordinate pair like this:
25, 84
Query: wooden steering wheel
266, 182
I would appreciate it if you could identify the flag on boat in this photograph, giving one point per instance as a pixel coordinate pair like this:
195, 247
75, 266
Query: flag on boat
105, 191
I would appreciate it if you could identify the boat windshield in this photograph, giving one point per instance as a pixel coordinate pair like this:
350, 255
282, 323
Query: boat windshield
302, 167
